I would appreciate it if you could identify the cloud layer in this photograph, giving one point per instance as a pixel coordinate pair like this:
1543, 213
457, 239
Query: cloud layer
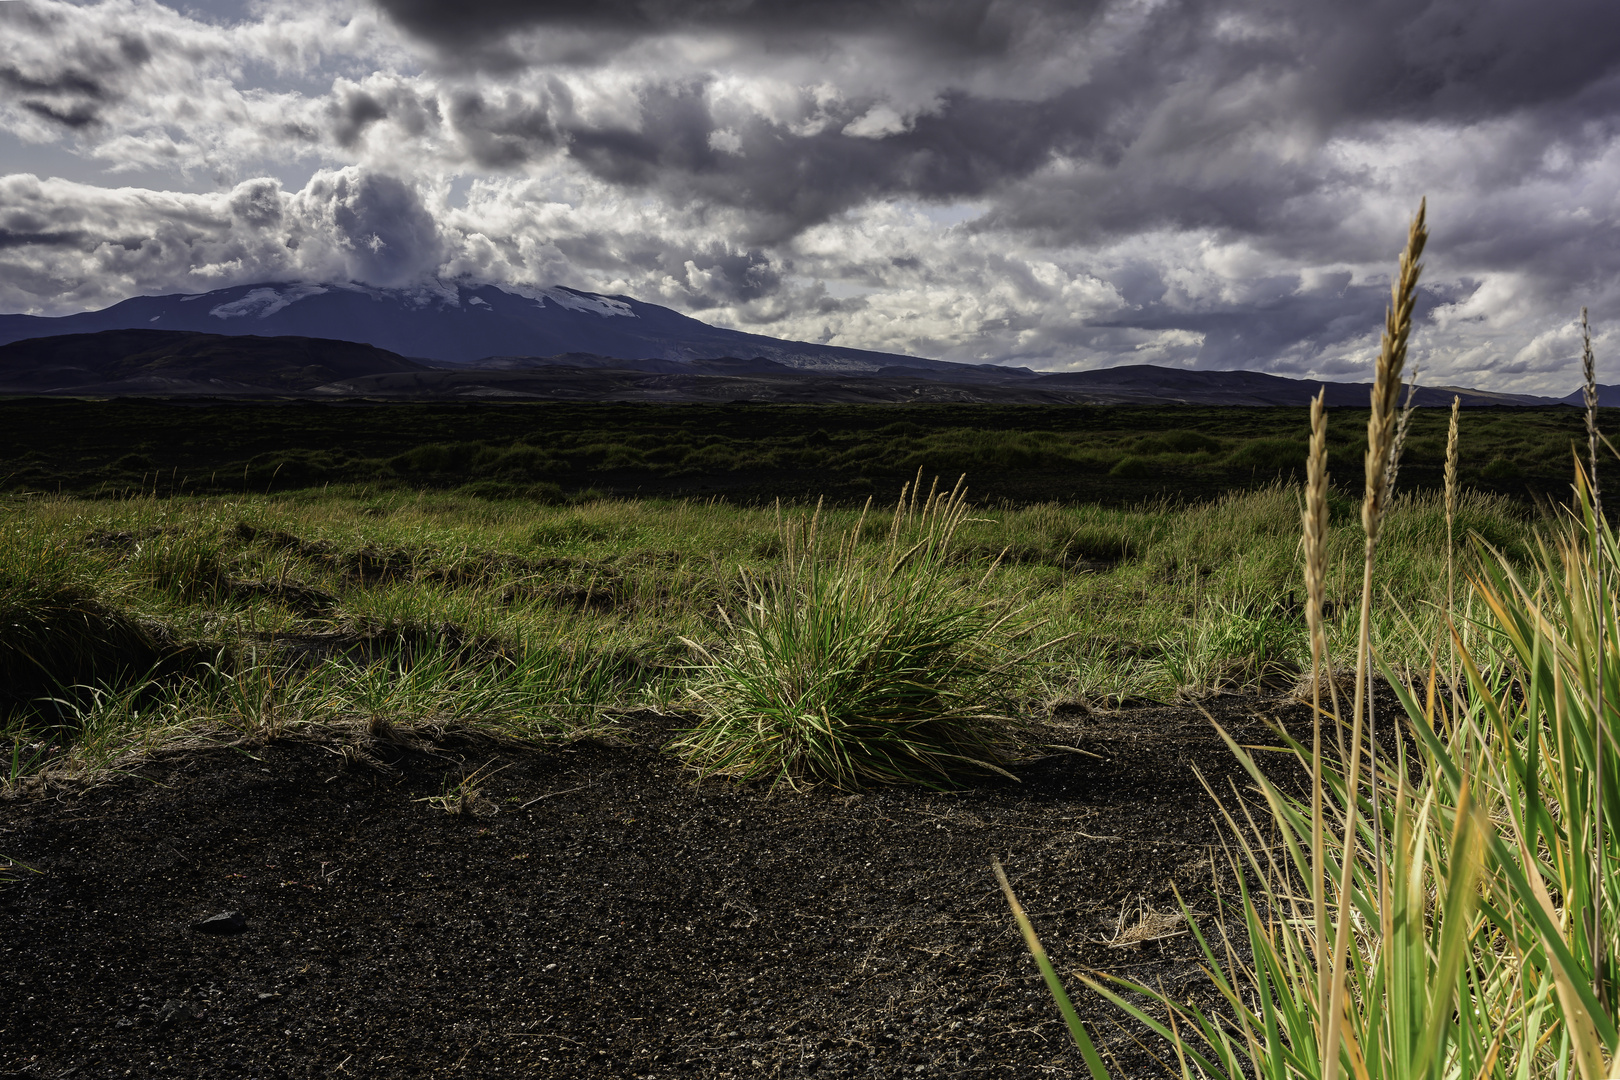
1060, 184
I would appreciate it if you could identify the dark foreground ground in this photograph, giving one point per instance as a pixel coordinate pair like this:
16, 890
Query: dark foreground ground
595, 913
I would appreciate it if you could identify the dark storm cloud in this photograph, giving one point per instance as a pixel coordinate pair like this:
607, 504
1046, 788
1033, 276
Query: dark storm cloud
731, 276
1460, 59
501, 132
61, 88
257, 203
10, 238
352, 113
74, 116
1287, 322
72, 97
785, 181
1186, 87
1292, 326
389, 234
61, 82
966, 26
353, 108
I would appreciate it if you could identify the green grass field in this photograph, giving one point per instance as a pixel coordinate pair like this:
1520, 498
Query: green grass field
260, 613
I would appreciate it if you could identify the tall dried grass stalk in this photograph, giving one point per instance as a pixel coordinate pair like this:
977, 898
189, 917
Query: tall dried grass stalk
1589, 370
1451, 547
1314, 520
1380, 444
1402, 425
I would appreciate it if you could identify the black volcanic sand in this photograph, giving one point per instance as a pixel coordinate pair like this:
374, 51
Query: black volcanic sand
597, 912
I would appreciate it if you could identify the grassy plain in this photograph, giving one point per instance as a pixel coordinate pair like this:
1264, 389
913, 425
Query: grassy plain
260, 613
1114, 456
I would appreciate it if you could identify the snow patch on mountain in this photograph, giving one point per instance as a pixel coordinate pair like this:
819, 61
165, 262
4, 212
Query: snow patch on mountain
577, 301
264, 302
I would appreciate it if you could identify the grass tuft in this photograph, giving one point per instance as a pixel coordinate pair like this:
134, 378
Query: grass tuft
847, 667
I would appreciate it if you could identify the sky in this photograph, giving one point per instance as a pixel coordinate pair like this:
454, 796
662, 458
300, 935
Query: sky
1060, 184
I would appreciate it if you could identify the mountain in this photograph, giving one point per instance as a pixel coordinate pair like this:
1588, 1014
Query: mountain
461, 324
170, 362
1146, 384
179, 363
466, 340
1608, 396
580, 377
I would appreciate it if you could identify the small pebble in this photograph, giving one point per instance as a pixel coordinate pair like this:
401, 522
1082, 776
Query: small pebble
226, 922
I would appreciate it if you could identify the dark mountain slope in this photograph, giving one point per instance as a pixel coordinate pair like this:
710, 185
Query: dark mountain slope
180, 363
1145, 383
169, 362
1608, 396
460, 324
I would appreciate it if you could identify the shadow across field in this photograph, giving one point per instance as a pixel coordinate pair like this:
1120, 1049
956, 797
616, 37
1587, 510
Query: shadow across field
1114, 455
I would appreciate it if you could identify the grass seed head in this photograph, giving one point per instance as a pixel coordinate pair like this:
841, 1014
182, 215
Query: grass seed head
1451, 464
1589, 371
1383, 421
1315, 524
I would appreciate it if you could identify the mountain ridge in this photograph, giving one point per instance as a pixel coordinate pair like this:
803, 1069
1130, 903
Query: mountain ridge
521, 340
183, 363
457, 324
151, 362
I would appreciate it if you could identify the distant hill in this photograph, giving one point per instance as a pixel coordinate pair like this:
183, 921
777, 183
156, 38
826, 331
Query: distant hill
576, 377
184, 364
1607, 396
461, 324
166, 362
1144, 383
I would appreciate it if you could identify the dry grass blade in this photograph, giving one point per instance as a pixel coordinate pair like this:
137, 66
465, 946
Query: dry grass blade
1590, 392
1054, 985
1315, 527
1386, 391
1380, 442
1150, 925
467, 795
9, 867
1451, 546
1386, 433
1403, 424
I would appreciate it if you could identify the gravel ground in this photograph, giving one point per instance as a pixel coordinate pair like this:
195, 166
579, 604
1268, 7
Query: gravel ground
594, 912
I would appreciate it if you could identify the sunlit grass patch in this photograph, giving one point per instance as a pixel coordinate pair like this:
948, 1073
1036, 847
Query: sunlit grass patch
579, 612
849, 666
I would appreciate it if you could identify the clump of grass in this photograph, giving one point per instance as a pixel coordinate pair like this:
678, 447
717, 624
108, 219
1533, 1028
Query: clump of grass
57, 633
849, 669
1462, 923
466, 796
